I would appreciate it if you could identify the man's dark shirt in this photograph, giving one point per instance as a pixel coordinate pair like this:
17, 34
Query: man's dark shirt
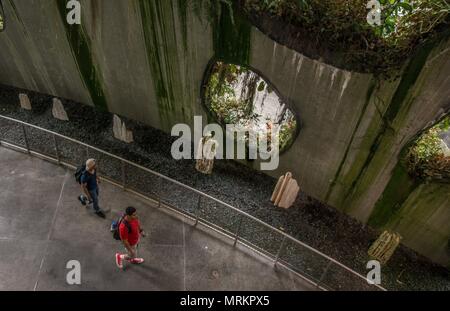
90, 180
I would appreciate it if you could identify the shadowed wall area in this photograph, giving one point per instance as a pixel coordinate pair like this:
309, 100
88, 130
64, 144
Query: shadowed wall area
146, 60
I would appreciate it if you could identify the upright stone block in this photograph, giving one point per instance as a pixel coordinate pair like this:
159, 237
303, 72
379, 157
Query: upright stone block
25, 102
384, 247
285, 192
206, 152
58, 110
120, 130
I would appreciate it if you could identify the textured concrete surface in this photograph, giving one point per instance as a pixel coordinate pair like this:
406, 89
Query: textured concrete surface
425, 228
43, 226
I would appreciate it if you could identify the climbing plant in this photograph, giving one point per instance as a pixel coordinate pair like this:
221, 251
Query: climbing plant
429, 157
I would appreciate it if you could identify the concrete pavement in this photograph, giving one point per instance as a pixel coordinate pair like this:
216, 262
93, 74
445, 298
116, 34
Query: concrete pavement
43, 226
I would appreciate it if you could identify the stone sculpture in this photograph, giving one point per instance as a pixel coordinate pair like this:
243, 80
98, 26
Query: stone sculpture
383, 248
120, 130
206, 152
285, 192
58, 110
24, 101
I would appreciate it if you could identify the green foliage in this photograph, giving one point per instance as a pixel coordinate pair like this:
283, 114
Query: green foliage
261, 86
444, 125
287, 131
428, 146
408, 19
426, 158
231, 108
222, 97
341, 26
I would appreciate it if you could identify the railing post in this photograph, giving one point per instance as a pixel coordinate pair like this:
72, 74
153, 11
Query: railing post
26, 138
56, 149
124, 180
87, 152
236, 235
199, 202
322, 277
280, 250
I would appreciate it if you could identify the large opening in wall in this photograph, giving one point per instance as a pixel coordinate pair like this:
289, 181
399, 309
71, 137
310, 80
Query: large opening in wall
2, 17
429, 156
238, 95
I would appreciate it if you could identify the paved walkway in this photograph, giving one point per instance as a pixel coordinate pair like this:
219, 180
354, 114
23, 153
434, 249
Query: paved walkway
43, 226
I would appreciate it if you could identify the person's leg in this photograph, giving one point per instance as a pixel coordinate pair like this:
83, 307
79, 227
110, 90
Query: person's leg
136, 259
94, 196
130, 255
119, 260
83, 199
131, 258
126, 256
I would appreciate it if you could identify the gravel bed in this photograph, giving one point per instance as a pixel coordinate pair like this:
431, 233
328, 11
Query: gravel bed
309, 220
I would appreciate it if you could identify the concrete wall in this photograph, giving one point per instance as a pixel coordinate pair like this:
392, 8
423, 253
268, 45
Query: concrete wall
423, 221
146, 60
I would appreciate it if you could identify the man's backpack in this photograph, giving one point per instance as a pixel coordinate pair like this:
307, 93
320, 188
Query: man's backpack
79, 172
116, 225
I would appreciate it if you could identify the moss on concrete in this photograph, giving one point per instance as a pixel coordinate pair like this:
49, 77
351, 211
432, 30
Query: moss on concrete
398, 101
378, 154
370, 91
231, 35
182, 13
400, 186
162, 21
166, 33
422, 221
81, 49
16, 14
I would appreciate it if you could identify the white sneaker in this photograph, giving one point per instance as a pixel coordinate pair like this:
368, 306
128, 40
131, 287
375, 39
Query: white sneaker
119, 261
137, 260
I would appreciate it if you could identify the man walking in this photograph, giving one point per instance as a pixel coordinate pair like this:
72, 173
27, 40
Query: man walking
130, 232
89, 185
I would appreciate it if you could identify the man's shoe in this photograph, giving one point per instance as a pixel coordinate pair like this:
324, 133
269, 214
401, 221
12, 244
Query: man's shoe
137, 260
82, 200
100, 214
119, 261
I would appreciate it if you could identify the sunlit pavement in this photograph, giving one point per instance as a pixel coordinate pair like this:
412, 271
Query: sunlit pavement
43, 226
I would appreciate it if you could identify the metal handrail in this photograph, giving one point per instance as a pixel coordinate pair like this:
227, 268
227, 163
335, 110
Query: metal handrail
200, 193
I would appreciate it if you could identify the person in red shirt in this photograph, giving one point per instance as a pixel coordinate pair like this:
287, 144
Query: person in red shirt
130, 233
